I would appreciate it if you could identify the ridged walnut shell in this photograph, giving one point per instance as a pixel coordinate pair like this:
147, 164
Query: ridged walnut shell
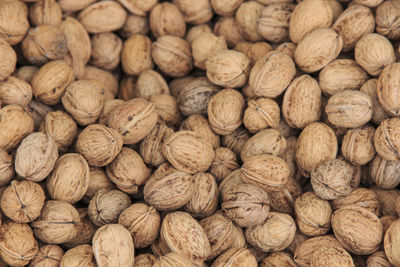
391, 243
358, 145
283, 201
385, 173
302, 102
324, 256
85, 228
180, 147
133, 119
378, 259
224, 163
246, 19
269, 172
46, 12
236, 257
13, 21
81, 255
387, 90
173, 259
145, 260
261, 113
387, 18
6, 167
48, 256
198, 13
362, 197
166, 19
15, 91
135, 56
236, 140
184, 235
387, 139
9, 58
357, 229
379, 113
278, 259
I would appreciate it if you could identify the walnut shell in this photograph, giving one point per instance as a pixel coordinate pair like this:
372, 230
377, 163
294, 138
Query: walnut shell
236, 140
179, 148
70, 178
275, 234
108, 81
355, 22
113, 245
261, 113
7, 65
373, 52
245, 204
13, 21
15, 91
97, 180
253, 51
81, 255
357, 229
196, 31
225, 8
47, 256
246, 19
169, 191
224, 163
228, 68
172, 55
138, 7
282, 201
317, 49
106, 50
387, 139
57, 222
198, 13
166, 19
278, 259
235, 257
313, 215
379, 114
99, 145
307, 17
173, 259
37, 112
358, 145
51, 80
204, 45
225, 111
45, 12
167, 109
135, 56
6, 167
36, 156
74, 5
106, 206
269, 172
227, 27
26, 72
387, 199
378, 259
18, 245
387, 18
331, 255
177, 229
199, 124
143, 222
385, 173
134, 24
85, 229
113, 14
316, 145
145, 260
109, 105
361, 197
302, 102
274, 64
387, 91
150, 82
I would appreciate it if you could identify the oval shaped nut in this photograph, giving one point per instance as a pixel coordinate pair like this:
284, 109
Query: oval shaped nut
379, 113
235, 257
387, 19
269, 172
391, 242
136, 54
387, 139
358, 145
173, 259
385, 173
302, 102
261, 113
387, 89
188, 151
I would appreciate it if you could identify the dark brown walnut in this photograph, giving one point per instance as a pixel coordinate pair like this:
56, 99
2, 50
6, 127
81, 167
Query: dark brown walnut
221, 233
79, 255
106, 206
283, 201
143, 222
48, 256
180, 147
357, 229
128, 171
57, 222
195, 96
245, 204
133, 119
150, 147
85, 229
169, 190
224, 163
261, 113
22, 201
69, 179
236, 140
278, 259
269, 172
313, 215
17, 244
177, 228
362, 197
45, 12
44, 43
385, 173
6, 167
387, 139
204, 200
106, 50
13, 21
236, 257
99, 145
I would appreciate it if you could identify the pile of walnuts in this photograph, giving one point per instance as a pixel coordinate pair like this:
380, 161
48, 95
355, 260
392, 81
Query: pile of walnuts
194, 133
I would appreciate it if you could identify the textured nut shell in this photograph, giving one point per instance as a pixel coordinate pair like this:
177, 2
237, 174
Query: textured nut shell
97, 180
37, 112
57, 222
308, 16
169, 191
106, 50
177, 229
331, 255
196, 31
204, 200
245, 204
166, 19
268, 141
378, 259
387, 91
227, 27
13, 21
224, 163
378, 114
172, 55
246, 19
106, 206
254, 51
198, 13
198, 123
26, 72
138, 7
18, 245
387, 19
387, 199
225, 8
355, 22
150, 82
387, 139
133, 119
46, 12
316, 145
385, 173
134, 24
275, 234
228, 68
113, 17
391, 242
204, 45
6, 167
99, 145
22, 201
107, 79
167, 109
78, 256
109, 105
317, 49
357, 229
143, 222
9, 57
48, 256
313, 215
188, 151
85, 230
128, 171
236, 140
113, 245
358, 146
145, 260
70, 178
36, 157
361, 197
373, 52
173, 259
282, 201
260, 114
269, 172
278, 259
272, 74
15, 91
225, 111
135, 56
236, 257
302, 102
